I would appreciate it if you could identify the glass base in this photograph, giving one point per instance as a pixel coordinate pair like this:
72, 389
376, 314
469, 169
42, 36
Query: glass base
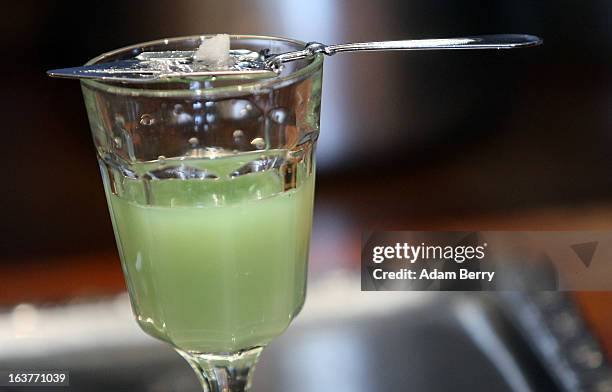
231, 372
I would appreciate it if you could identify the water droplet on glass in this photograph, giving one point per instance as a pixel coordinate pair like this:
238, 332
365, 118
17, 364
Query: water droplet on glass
161, 159
258, 143
193, 141
238, 134
184, 118
279, 115
180, 116
147, 120
117, 141
246, 109
209, 104
197, 105
178, 109
211, 117
237, 109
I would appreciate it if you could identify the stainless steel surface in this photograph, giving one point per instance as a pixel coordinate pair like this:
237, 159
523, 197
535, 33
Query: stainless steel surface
182, 65
498, 41
155, 66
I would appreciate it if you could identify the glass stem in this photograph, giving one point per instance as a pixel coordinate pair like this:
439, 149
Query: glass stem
224, 372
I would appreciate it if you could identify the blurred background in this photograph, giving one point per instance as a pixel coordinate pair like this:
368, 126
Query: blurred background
432, 140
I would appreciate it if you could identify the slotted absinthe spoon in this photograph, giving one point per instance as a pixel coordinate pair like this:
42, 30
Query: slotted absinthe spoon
157, 66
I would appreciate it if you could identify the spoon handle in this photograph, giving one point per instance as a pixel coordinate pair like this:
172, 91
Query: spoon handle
498, 41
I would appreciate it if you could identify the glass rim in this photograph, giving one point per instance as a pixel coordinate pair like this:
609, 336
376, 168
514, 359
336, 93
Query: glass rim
235, 90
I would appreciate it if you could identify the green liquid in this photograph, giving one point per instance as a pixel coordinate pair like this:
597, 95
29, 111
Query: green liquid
215, 265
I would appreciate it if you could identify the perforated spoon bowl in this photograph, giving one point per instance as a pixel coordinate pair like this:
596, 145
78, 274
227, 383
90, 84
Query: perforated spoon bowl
156, 66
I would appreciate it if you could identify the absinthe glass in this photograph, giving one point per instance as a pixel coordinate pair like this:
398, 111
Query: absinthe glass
210, 188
